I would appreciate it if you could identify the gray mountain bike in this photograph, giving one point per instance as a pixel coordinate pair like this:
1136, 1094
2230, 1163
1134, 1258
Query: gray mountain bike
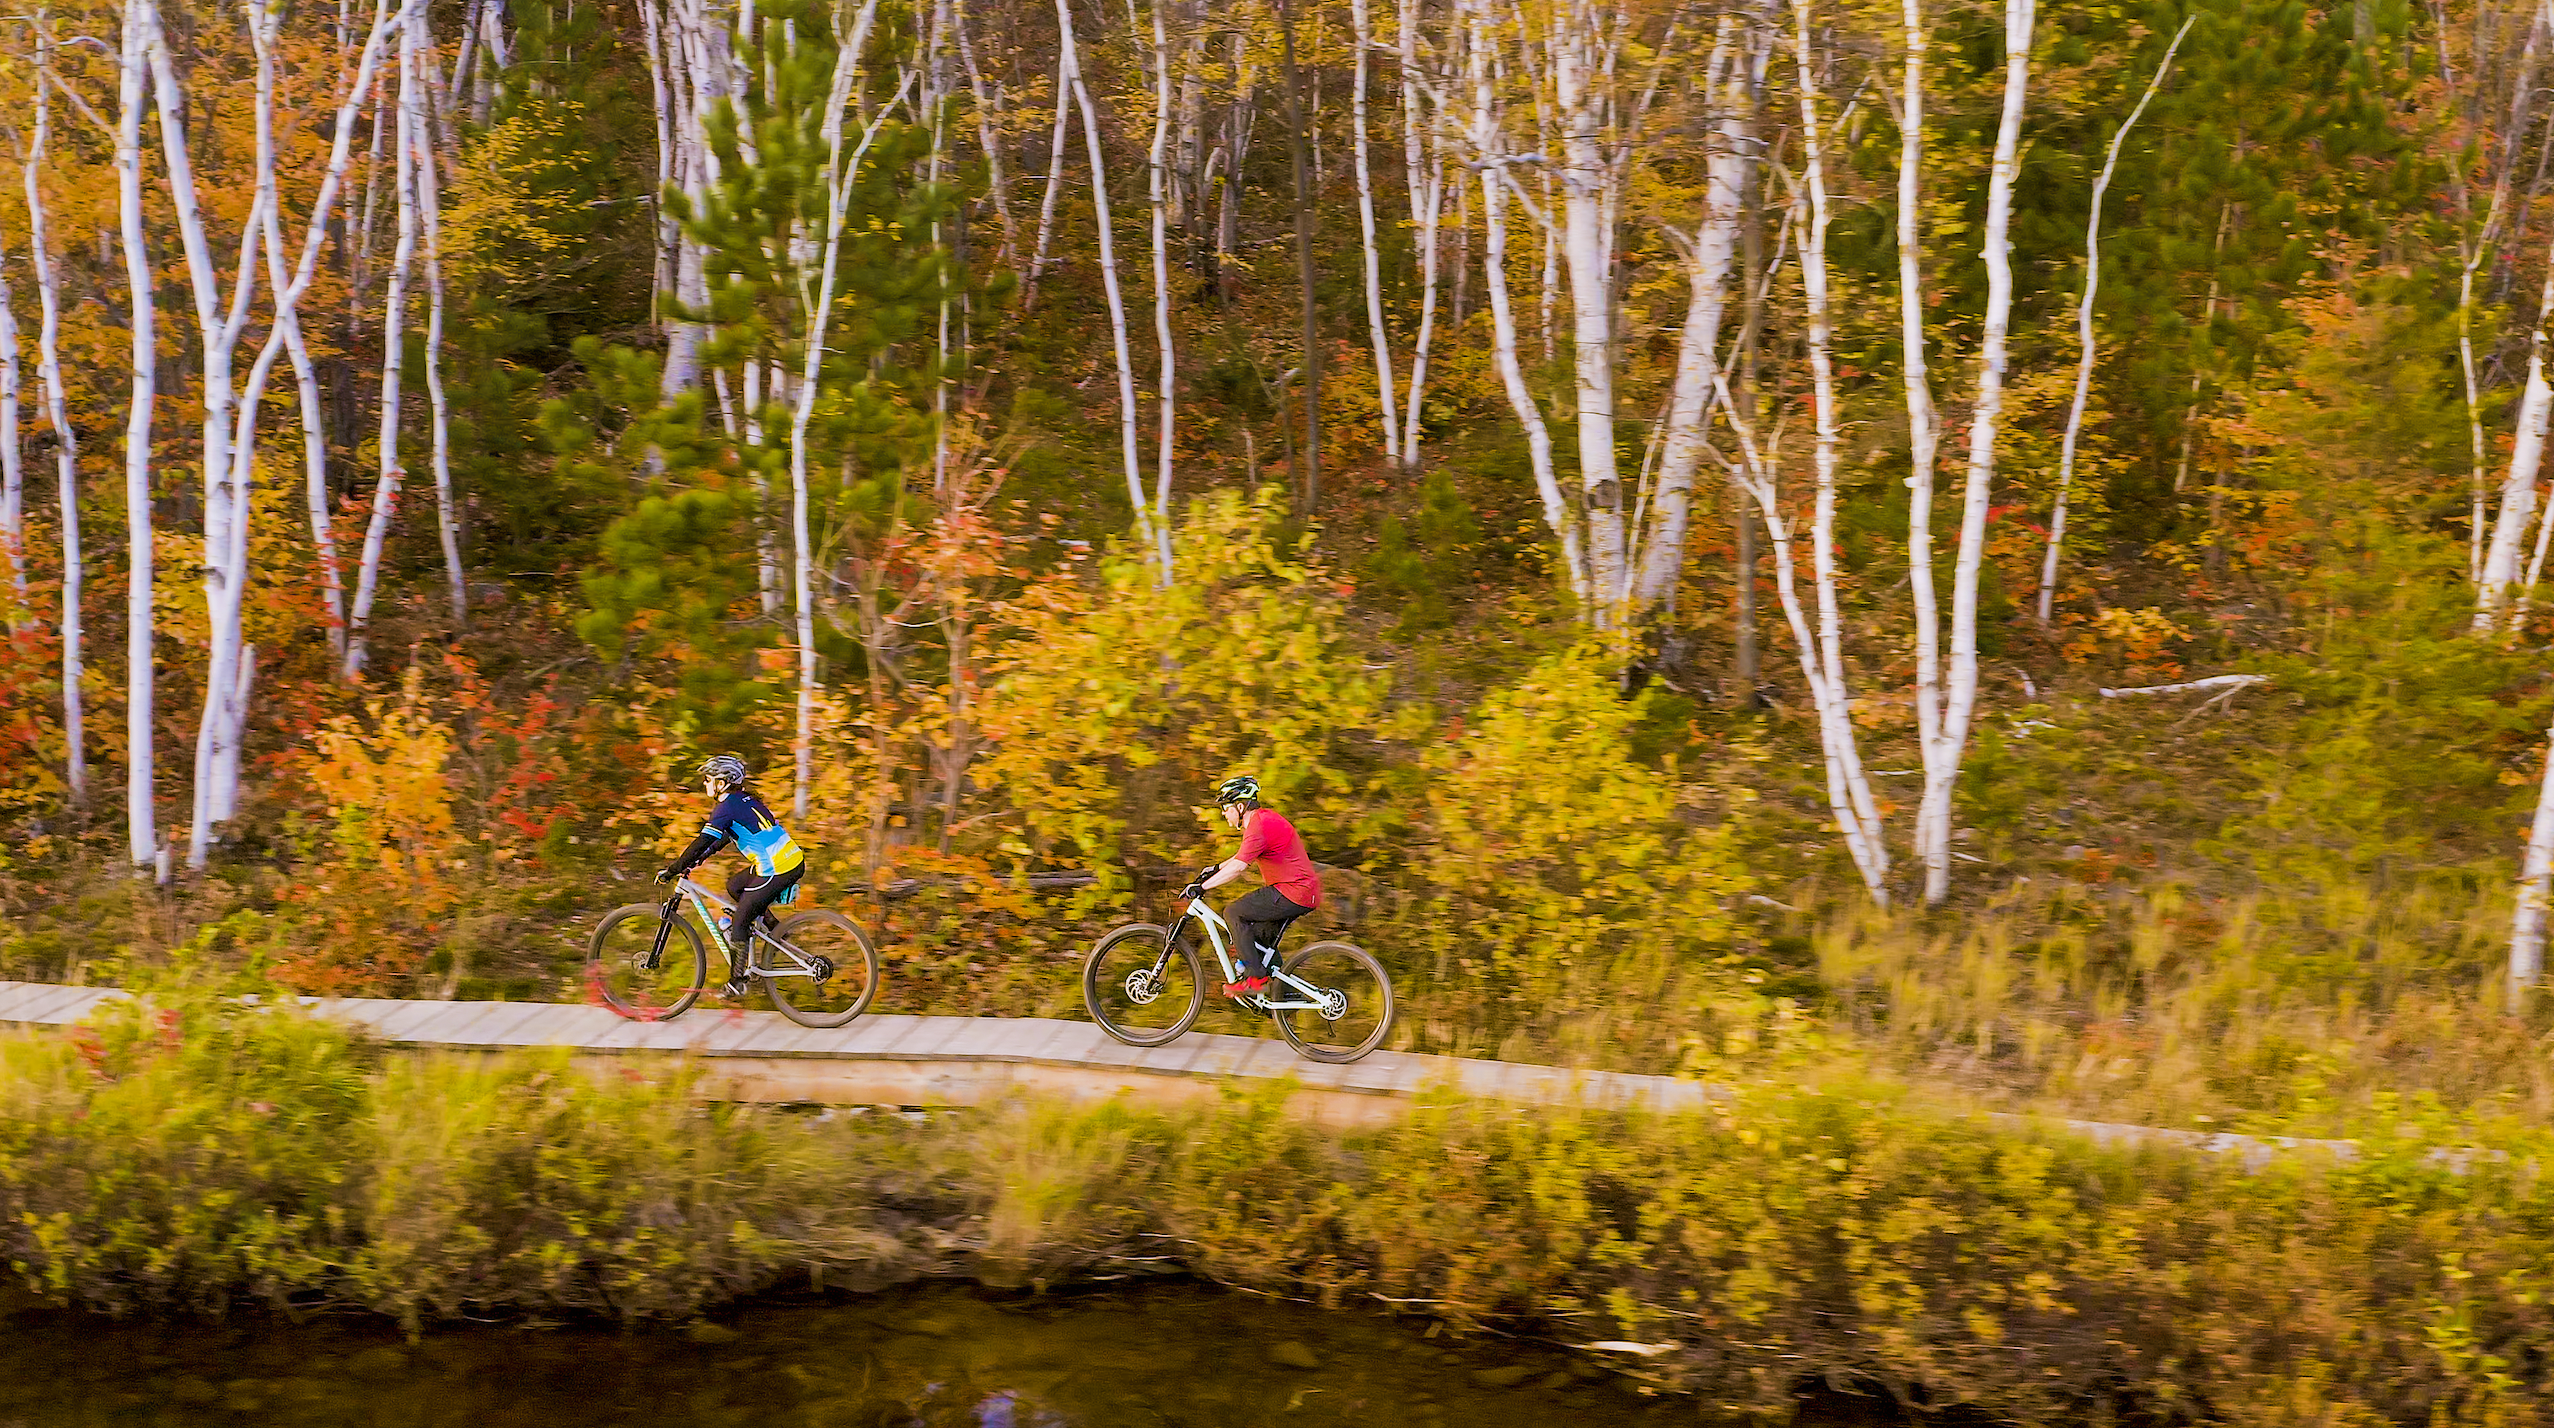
1145, 985
649, 962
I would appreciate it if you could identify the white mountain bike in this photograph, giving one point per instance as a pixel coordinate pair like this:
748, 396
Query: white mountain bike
1145, 985
649, 963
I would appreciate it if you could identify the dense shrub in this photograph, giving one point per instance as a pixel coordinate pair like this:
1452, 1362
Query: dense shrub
210, 1158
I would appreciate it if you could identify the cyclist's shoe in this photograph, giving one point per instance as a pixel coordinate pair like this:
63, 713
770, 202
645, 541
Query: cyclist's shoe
741, 984
1247, 987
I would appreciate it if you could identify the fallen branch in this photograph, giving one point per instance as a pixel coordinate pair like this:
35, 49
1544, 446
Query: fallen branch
2227, 682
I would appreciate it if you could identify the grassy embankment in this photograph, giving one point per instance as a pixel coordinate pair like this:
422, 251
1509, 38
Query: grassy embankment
205, 1159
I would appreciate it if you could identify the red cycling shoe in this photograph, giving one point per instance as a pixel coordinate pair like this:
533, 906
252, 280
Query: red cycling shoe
1247, 987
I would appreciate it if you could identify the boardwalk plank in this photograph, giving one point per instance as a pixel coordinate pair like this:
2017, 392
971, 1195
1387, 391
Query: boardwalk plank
972, 1060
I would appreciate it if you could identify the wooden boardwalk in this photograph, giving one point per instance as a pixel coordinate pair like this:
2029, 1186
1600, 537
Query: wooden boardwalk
965, 1061
939, 1060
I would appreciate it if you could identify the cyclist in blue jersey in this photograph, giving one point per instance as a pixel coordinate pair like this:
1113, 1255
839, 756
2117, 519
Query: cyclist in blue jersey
774, 862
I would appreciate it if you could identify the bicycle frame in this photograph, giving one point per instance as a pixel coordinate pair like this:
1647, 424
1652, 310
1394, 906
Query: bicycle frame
1216, 928
703, 900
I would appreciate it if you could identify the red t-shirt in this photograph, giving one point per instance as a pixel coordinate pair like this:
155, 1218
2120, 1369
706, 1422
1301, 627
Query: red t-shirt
1272, 843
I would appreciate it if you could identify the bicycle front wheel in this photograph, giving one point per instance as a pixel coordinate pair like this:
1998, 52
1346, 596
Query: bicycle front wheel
646, 967
1140, 988
843, 977
1354, 996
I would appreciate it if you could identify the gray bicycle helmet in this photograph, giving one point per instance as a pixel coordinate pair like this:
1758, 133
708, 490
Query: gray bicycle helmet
726, 768
1237, 789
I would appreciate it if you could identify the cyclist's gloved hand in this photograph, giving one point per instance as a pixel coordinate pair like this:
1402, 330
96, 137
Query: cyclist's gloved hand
668, 873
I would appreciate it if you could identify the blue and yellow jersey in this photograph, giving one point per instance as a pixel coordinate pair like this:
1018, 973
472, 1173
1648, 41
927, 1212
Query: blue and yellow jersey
741, 817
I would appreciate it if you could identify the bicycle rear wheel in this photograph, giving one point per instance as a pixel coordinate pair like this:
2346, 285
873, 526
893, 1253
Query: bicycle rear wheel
1140, 988
645, 967
1356, 995
849, 964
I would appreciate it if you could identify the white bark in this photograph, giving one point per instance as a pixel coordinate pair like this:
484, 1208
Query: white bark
2534, 867
2527, 928
1923, 423
661, 92
1853, 789
13, 493
1366, 238
288, 287
841, 173
2474, 248
220, 318
2518, 489
1837, 745
1581, 61
66, 440
1166, 395
394, 335
1489, 153
1709, 257
2084, 335
697, 51
1054, 176
2535, 569
2527, 923
988, 114
1153, 545
1944, 750
141, 32
447, 509
1426, 178
2226, 682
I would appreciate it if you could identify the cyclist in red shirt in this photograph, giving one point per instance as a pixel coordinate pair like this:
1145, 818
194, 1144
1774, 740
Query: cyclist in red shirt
1293, 884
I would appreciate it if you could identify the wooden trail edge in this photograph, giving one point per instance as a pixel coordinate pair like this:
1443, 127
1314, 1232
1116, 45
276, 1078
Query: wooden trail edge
762, 1057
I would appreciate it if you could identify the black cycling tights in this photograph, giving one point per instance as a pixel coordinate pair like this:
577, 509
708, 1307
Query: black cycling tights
754, 894
1260, 916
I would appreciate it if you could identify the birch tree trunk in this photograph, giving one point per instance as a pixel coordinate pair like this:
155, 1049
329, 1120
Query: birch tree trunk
1923, 423
219, 321
2518, 489
1054, 173
988, 110
1425, 164
141, 32
394, 336
1870, 850
1840, 753
697, 48
288, 288
1942, 770
1072, 62
2084, 335
1366, 238
66, 439
2474, 248
1489, 153
1709, 258
1305, 186
1580, 62
661, 91
840, 176
447, 509
13, 490
2527, 924
1166, 395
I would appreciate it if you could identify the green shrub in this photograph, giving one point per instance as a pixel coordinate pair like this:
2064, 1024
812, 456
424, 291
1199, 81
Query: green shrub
218, 1156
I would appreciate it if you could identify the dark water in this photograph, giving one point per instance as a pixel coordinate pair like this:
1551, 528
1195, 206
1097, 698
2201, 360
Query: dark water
917, 1359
